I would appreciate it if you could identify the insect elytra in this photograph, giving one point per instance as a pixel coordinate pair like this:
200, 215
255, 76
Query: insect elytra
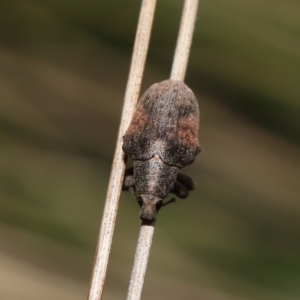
161, 139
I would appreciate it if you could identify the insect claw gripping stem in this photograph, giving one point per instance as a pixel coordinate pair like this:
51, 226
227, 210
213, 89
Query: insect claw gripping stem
132, 191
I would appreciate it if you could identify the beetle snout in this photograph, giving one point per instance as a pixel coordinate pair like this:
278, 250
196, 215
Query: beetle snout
150, 205
147, 216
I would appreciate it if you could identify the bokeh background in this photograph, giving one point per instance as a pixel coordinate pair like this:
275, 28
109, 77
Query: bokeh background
63, 72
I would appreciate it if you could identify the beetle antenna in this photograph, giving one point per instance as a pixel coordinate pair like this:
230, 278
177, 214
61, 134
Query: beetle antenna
172, 200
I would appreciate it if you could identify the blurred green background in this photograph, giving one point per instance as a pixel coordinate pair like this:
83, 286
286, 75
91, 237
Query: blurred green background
63, 73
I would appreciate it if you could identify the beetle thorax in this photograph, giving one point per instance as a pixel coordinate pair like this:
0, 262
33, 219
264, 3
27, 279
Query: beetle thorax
153, 177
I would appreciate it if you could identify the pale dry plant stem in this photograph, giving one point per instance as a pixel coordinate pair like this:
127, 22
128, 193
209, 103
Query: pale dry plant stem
180, 61
140, 261
184, 39
118, 166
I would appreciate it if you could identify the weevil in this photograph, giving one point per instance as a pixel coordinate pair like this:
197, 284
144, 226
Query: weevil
161, 139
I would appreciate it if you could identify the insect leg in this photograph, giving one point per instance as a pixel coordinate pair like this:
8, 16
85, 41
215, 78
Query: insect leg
186, 181
128, 182
180, 190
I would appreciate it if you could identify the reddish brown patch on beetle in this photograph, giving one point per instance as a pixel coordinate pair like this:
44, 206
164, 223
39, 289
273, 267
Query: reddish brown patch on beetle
138, 121
188, 131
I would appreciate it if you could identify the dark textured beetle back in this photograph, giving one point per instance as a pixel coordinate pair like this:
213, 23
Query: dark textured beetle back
166, 123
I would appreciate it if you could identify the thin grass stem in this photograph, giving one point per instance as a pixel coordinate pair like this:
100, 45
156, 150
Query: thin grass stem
184, 39
140, 261
178, 73
118, 166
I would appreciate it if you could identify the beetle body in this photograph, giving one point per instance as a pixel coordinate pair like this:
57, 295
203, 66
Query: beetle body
161, 139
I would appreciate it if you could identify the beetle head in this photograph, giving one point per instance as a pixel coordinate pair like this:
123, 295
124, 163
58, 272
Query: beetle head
150, 205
